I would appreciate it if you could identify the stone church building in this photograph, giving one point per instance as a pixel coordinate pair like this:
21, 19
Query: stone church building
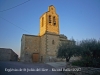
43, 47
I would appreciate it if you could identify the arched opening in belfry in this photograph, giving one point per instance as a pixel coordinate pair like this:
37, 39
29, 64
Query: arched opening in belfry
42, 21
49, 18
54, 20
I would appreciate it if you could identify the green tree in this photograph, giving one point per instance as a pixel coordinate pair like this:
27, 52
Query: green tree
67, 50
90, 52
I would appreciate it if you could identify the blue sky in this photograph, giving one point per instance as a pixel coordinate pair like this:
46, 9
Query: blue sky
79, 19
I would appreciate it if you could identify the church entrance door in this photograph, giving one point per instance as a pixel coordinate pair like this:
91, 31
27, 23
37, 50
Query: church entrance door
35, 57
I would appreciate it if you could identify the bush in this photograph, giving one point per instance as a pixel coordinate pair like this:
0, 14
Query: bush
90, 53
87, 62
78, 63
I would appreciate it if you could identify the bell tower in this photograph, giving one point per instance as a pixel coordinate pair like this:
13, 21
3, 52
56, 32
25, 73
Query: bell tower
49, 21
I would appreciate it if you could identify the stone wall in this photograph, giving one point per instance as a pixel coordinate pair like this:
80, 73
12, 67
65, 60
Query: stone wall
43, 48
31, 45
14, 56
46, 46
52, 44
22, 48
8, 55
50, 26
44, 22
5, 54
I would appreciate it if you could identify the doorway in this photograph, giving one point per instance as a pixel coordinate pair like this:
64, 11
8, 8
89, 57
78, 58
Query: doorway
35, 57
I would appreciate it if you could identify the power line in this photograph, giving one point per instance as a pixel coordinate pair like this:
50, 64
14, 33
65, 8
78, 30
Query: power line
14, 6
13, 24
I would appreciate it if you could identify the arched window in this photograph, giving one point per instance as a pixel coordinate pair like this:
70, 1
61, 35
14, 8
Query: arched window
49, 18
54, 20
53, 42
42, 21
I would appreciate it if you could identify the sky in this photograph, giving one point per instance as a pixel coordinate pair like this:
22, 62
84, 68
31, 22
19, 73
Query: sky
78, 19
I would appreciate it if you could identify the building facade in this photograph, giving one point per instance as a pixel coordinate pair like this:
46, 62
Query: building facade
8, 55
43, 47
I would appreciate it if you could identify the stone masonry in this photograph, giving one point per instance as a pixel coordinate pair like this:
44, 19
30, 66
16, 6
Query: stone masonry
8, 55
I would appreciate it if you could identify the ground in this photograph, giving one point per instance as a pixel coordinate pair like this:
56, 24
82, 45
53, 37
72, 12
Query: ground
57, 64
28, 68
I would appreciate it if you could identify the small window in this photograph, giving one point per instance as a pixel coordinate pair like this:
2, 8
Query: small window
49, 19
54, 20
53, 42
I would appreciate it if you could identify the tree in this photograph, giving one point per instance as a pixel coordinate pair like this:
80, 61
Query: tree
90, 52
67, 50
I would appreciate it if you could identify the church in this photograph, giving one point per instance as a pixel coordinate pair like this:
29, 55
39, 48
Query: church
43, 47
